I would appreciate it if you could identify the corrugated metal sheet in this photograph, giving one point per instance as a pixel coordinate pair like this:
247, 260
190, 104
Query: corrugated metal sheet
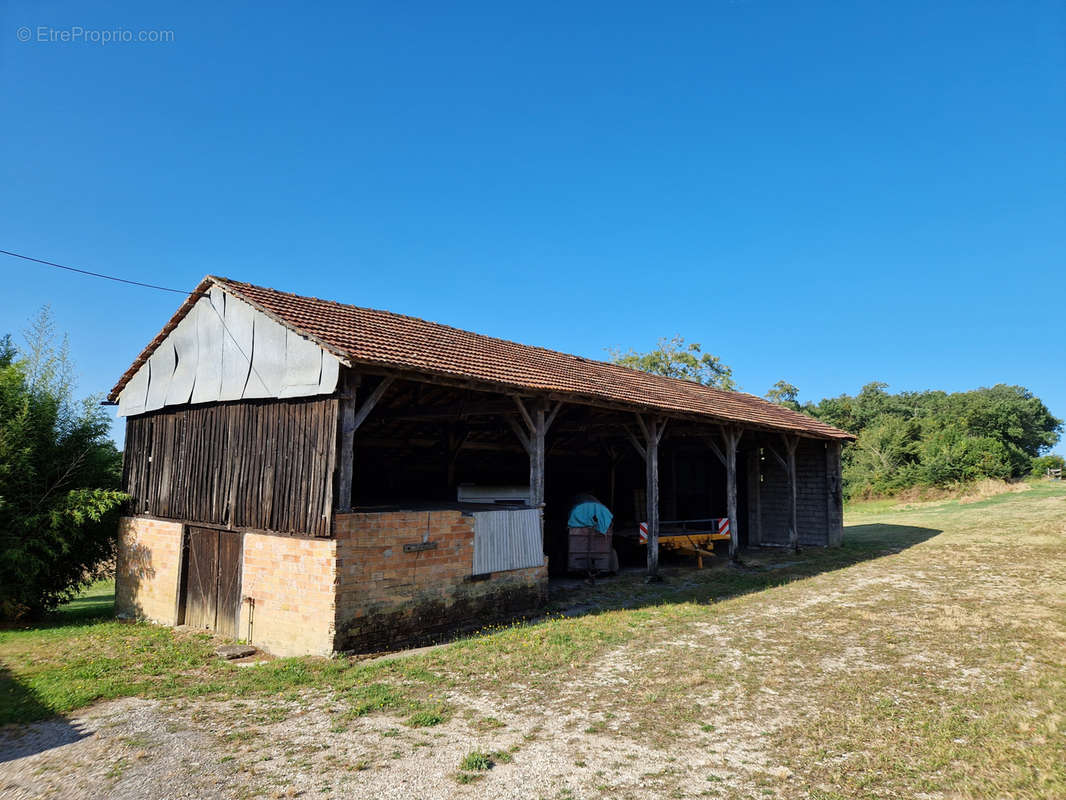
508, 539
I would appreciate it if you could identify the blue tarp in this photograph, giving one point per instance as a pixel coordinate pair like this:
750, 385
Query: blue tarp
590, 515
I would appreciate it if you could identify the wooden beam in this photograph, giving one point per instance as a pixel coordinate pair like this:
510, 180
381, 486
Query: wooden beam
711, 443
536, 456
506, 390
522, 437
777, 456
651, 465
552, 415
346, 436
370, 402
731, 434
525, 414
636, 443
790, 446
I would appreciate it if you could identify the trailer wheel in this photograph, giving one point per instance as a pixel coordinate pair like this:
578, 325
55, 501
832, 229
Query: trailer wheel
612, 562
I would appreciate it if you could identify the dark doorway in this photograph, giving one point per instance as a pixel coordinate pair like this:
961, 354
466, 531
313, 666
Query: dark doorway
211, 589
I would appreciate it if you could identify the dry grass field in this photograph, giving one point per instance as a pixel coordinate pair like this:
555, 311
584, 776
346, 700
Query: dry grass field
924, 659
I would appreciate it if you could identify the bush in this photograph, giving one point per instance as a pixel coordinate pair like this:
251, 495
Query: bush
938, 439
1041, 464
59, 478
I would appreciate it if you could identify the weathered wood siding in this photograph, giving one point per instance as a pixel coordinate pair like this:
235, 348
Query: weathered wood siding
262, 465
819, 518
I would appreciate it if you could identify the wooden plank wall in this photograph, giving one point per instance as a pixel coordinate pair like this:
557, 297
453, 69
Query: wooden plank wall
265, 465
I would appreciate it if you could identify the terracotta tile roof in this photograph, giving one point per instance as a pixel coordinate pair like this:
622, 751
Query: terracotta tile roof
382, 338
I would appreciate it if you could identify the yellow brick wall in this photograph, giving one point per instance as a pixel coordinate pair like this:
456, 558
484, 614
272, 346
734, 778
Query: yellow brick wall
293, 583
147, 568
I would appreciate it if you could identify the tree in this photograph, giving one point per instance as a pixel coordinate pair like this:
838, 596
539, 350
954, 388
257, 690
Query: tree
59, 477
784, 394
934, 438
676, 359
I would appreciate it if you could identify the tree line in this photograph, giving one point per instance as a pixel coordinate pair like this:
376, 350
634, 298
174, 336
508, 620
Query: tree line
926, 438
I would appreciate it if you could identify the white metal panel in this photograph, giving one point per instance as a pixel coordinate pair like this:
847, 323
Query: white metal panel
131, 400
268, 358
303, 366
506, 540
236, 348
162, 361
205, 359
476, 493
186, 351
209, 333
331, 370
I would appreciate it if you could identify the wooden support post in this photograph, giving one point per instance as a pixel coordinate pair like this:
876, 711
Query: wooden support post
351, 419
731, 437
731, 434
649, 451
536, 457
790, 464
346, 434
537, 424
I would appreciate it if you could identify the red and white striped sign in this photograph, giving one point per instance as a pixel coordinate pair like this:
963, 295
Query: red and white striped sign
721, 524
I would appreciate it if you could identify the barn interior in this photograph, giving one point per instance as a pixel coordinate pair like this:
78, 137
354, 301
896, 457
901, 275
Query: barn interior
428, 445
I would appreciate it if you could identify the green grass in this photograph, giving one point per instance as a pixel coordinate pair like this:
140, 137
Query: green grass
926, 655
476, 761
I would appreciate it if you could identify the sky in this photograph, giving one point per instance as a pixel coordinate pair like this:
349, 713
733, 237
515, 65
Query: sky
829, 194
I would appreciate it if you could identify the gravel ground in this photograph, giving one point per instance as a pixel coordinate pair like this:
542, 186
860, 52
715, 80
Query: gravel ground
147, 750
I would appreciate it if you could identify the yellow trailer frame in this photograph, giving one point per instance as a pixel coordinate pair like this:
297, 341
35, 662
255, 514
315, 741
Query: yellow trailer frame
698, 543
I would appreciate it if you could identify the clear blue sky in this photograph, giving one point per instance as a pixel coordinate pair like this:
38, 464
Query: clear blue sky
825, 193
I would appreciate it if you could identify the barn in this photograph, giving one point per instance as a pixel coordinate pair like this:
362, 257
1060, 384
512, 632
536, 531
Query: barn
316, 477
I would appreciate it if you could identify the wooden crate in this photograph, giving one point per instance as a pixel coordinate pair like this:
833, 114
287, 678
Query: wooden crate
589, 551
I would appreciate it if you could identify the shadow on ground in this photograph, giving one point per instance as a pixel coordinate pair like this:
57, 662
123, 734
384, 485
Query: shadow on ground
19, 702
761, 568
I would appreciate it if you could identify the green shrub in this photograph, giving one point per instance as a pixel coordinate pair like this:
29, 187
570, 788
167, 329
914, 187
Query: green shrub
59, 478
1041, 464
476, 761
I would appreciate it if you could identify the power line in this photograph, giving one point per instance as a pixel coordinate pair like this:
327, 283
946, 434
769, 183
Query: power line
93, 274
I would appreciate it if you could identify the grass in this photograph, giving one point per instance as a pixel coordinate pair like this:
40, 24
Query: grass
926, 655
476, 761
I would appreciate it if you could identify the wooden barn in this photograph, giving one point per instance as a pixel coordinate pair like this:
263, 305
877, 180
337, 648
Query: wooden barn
314, 477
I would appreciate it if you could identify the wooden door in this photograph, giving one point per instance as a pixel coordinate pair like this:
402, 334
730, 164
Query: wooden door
228, 605
201, 578
212, 587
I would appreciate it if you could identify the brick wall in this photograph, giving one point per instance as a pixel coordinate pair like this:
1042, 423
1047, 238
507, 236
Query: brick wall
294, 584
147, 568
386, 597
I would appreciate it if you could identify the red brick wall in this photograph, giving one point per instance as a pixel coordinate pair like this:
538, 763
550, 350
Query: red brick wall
387, 597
